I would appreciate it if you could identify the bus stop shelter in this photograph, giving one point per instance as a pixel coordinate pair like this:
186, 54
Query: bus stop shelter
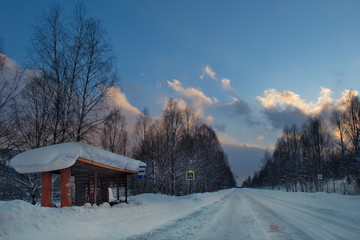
92, 169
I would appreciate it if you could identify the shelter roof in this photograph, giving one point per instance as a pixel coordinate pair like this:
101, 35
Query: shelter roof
64, 155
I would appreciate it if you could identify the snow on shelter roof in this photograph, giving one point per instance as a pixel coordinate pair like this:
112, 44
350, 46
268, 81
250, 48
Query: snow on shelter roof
64, 155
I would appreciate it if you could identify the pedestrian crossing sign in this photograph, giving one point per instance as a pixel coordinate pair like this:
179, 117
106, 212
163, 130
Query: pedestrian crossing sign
190, 175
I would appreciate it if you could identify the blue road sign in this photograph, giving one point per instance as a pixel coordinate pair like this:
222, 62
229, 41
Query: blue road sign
190, 175
142, 172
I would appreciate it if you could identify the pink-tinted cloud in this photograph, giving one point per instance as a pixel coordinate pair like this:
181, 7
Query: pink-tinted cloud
119, 99
197, 99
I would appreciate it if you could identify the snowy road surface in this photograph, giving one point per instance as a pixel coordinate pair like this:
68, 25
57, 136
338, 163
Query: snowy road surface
229, 214
251, 214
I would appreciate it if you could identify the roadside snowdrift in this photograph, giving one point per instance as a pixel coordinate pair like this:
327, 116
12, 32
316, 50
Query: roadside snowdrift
21, 220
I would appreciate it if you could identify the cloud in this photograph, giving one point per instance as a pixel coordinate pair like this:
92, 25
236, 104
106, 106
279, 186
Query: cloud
213, 111
194, 97
280, 117
283, 100
12, 74
287, 107
343, 101
244, 158
260, 138
225, 139
215, 100
209, 120
8, 62
119, 99
237, 106
225, 84
201, 103
207, 71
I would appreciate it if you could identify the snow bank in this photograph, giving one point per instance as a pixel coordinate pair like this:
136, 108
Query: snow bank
64, 155
145, 212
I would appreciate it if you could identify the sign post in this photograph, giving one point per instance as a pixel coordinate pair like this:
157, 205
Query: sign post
190, 176
319, 177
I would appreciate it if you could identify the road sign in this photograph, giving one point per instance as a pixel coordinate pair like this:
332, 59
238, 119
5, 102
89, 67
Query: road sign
190, 175
142, 172
319, 177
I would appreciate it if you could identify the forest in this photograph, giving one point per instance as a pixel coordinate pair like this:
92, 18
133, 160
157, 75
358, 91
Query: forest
322, 155
63, 96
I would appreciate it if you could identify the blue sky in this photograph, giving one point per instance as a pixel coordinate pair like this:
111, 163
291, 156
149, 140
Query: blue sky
221, 57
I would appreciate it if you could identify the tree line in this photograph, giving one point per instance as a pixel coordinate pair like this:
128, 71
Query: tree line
178, 142
62, 96
322, 155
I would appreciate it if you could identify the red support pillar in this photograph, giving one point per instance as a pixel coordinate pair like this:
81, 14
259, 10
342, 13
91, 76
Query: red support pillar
88, 191
118, 188
126, 189
46, 189
95, 186
65, 191
107, 190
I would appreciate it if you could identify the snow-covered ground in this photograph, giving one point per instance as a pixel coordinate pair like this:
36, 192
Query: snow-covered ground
228, 214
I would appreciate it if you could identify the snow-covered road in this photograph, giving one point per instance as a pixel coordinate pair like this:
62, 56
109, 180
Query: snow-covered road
229, 214
284, 218
254, 214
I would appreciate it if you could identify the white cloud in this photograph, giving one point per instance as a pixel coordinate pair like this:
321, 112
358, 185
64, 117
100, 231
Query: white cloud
225, 84
197, 98
273, 99
281, 108
208, 71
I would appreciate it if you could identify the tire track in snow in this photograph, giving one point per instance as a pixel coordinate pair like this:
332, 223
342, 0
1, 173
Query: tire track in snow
304, 224
185, 227
235, 221
230, 218
317, 216
279, 226
257, 220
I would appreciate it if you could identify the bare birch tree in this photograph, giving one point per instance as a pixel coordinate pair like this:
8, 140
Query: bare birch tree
114, 136
73, 69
